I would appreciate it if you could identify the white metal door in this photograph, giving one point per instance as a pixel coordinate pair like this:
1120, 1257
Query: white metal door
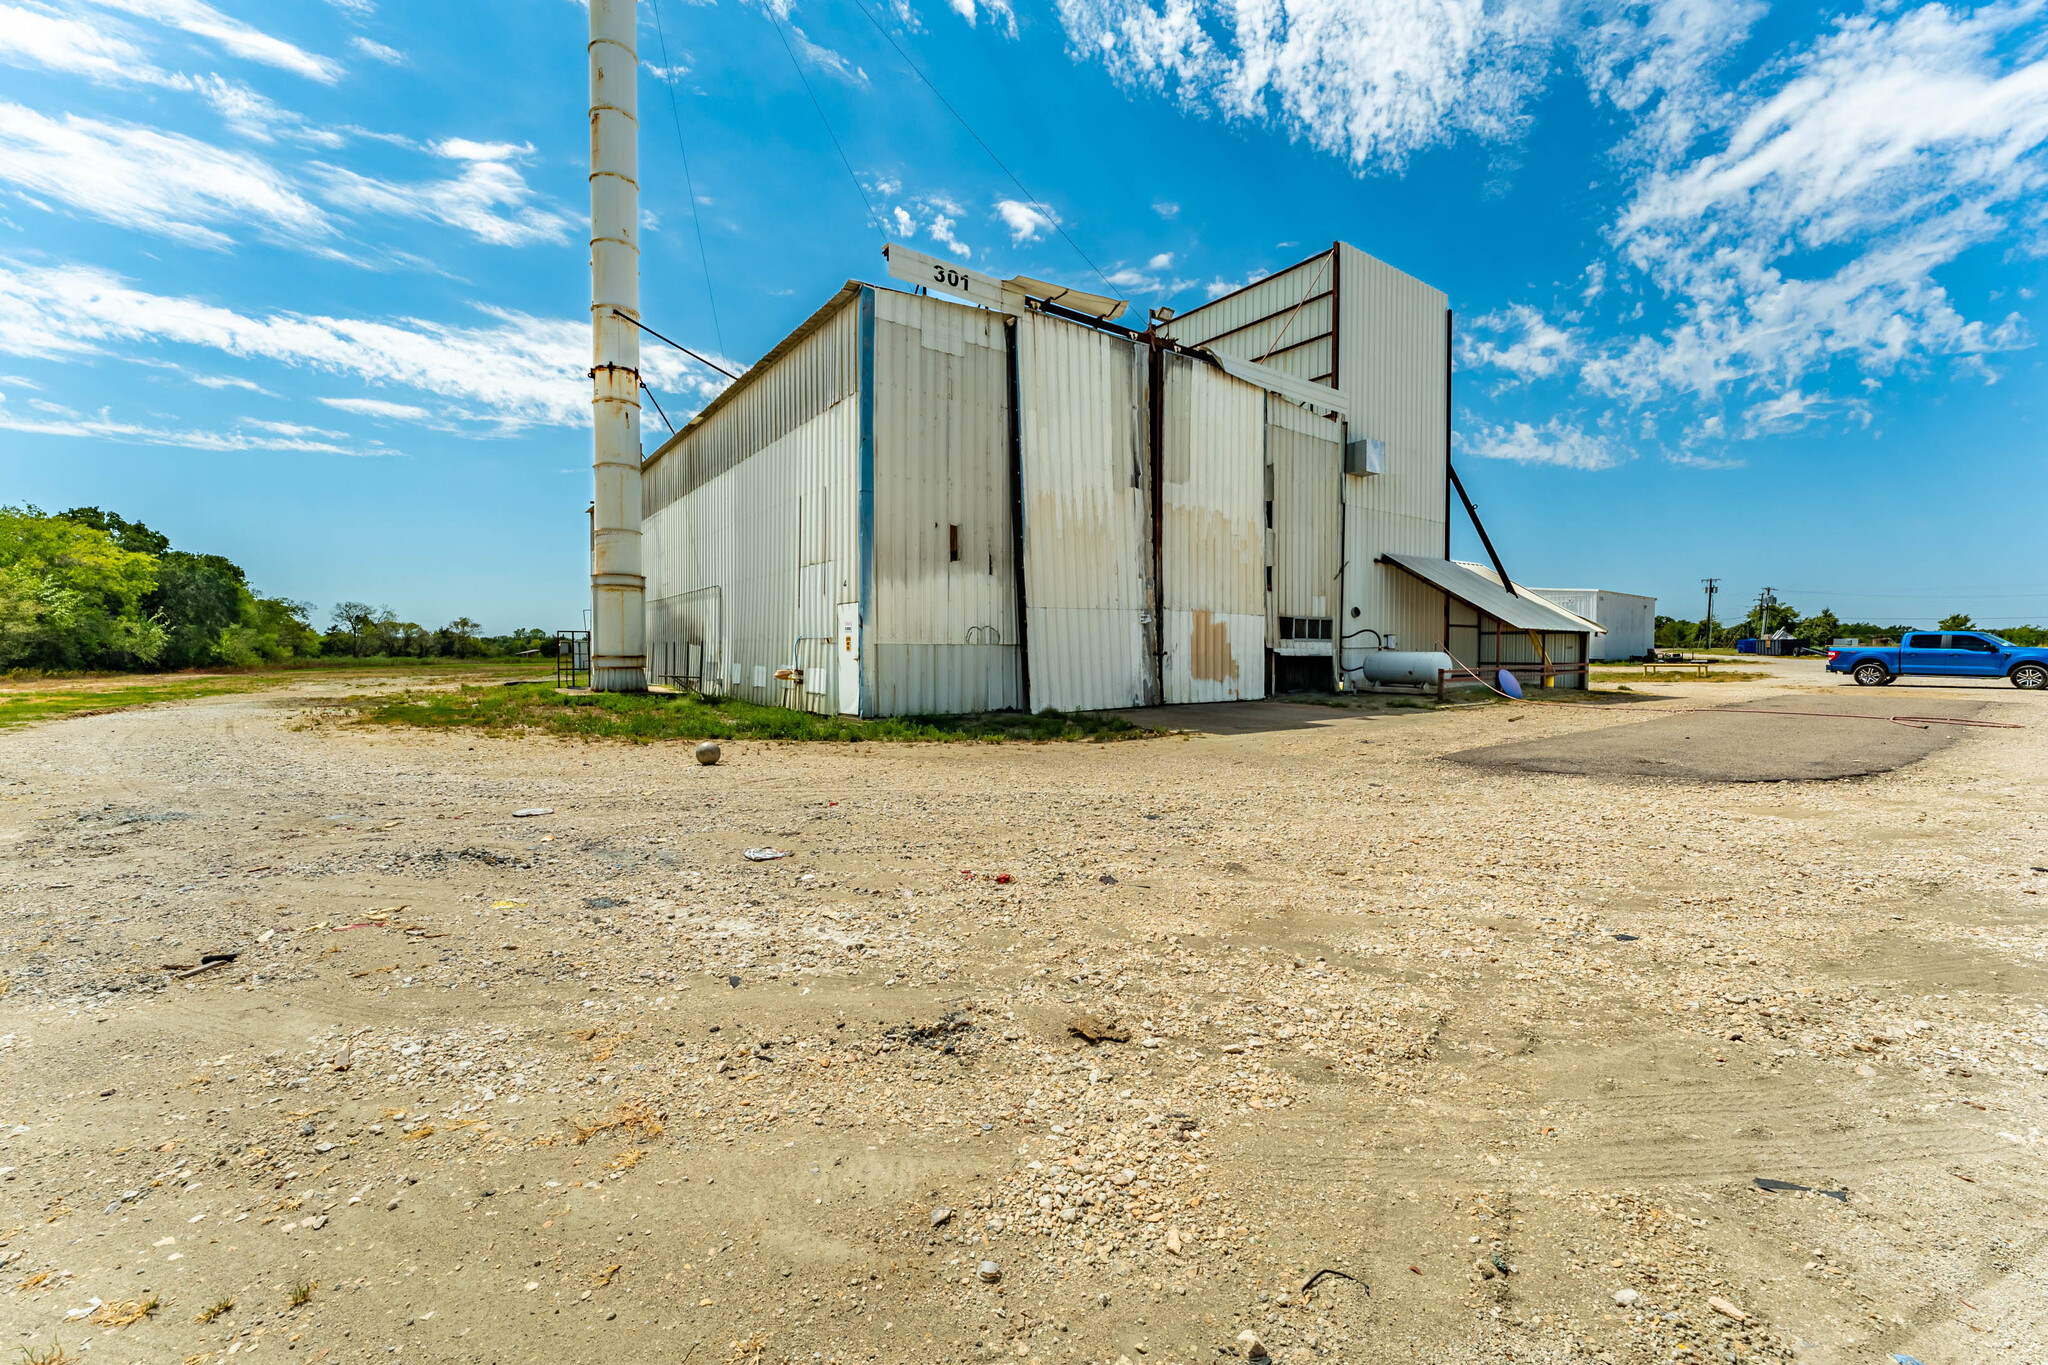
848, 651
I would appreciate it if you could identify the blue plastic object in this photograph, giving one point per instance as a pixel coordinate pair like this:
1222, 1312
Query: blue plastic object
1510, 684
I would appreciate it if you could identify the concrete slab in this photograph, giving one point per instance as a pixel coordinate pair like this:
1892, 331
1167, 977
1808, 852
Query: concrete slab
1811, 738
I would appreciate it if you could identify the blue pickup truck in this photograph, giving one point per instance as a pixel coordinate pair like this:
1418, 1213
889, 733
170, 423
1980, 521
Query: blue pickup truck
1944, 654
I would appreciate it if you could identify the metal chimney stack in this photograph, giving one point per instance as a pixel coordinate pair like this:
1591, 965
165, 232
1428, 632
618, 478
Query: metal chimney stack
618, 590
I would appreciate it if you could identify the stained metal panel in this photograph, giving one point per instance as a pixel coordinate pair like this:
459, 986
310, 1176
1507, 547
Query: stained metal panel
1212, 535
1087, 516
752, 564
942, 631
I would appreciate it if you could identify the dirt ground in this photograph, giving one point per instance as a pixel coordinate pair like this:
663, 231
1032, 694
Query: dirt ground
1502, 1051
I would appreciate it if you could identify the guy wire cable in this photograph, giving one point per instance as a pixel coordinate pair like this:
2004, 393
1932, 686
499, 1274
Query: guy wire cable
874, 219
1036, 203
688, 184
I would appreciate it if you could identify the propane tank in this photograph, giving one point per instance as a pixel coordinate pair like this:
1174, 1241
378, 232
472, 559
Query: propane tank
1412, 666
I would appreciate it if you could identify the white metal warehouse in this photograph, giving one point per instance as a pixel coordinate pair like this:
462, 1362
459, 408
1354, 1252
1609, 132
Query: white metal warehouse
913, 505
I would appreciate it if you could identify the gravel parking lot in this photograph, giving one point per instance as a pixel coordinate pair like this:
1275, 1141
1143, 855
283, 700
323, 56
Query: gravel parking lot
308, 1020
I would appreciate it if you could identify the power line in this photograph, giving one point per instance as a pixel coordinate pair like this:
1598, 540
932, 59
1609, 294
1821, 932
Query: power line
688, 184
1036, 203
874, 219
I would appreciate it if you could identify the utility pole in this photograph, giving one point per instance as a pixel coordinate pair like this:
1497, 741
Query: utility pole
1712, 585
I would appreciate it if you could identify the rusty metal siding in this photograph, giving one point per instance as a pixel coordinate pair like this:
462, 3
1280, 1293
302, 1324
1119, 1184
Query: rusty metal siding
1393, 331
1287, 320
1087, 516
942, 632
750, 565
817, 366
1212, 560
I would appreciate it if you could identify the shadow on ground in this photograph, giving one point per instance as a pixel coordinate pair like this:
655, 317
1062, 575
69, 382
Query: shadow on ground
1812, 738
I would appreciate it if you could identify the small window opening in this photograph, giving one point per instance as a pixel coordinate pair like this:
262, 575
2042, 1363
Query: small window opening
953, 534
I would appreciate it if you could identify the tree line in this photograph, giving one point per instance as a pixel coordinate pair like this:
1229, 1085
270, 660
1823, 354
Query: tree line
89, 589
1816, 630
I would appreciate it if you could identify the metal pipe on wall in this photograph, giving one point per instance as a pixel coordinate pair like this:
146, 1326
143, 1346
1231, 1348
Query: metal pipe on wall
618, 589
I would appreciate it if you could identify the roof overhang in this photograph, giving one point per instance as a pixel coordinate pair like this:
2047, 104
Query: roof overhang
1482, 593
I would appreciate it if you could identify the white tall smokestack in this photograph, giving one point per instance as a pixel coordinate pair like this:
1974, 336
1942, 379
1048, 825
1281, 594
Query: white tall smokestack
618, 591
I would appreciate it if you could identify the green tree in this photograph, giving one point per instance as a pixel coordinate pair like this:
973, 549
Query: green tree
1959, 621
198, 598
129, 535
462, 633
1819, 629
354, 621
87, 594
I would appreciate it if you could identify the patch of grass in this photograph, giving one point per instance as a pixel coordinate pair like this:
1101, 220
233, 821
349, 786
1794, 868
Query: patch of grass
1678, 675
652, 717
302, 1293
32, 704
53, 1355
122, 1314
213, 1310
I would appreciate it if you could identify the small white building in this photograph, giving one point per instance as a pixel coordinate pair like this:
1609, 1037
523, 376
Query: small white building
1629, 619
913, 505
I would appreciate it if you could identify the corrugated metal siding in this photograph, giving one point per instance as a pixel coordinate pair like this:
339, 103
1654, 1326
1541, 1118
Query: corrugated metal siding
942, 633
751, 564
1307, 456
764, 405
1212, 543
1392, 335
1285, 320
1087, 516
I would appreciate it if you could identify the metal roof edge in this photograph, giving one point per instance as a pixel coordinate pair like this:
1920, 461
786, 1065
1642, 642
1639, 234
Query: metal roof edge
846, 294
1271, 274
1481, 593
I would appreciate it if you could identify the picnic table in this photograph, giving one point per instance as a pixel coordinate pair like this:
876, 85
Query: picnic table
1697, 667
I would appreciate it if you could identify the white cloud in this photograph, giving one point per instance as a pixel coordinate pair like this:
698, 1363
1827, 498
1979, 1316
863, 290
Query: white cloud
103, 426
153, 181
252, 116
1166, 208
1372, 81
231, 35
40, 36
1523, 342
999, 13
1026, 223
1556, 442
1163, 261
376, 51
489, 199
378, 407
1810, 231
942, 232
514, 369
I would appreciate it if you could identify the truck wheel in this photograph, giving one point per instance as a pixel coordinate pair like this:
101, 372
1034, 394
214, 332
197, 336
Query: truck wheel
1871, 675
2030, 677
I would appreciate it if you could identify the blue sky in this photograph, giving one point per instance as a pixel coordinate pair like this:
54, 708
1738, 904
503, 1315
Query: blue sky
1743, 290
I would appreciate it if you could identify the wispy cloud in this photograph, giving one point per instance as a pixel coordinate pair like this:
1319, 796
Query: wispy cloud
151, 180
1520, 341
489, 199
378, 407
1555, 442
1372, 81
377, 51
513, 369
246, 436
36, 35
231, 35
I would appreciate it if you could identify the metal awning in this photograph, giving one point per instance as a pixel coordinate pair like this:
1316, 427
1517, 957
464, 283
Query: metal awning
1482, 593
